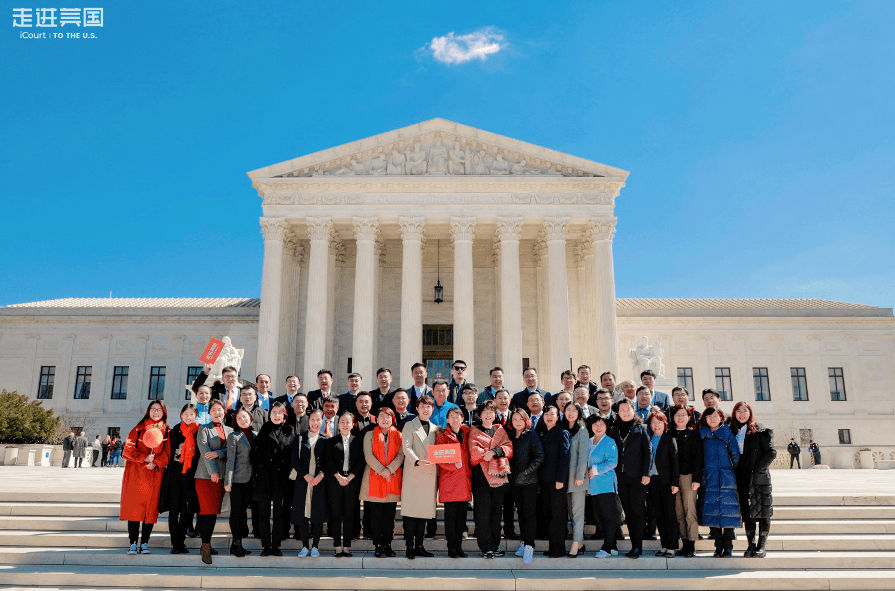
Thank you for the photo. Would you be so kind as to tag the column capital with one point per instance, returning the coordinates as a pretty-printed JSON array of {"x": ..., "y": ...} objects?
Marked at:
[
  {"x": 274, "y": 228},
  {"x": 366, "y": 228},
  {"x": 601, "y": 229},
  {"x": 320, "y": 228},
  {"x": 509, "y": 228},
  {"x": 462, "y": 229},
  {"x": 337, "y": 249},
  {"x": 412, "y": 228},
  {"x": 555, "y": 228}
]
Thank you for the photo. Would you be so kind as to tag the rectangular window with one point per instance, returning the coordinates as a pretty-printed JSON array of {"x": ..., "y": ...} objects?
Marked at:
[
  {"x": 762, "y": 384},
  {"x": 845, "y": 436},
  {"x": 837, "y": 384},
  {"x": 47, "y": 375},
  {"x": 114, "y": 431},
  {"x": 157, "y": 383},
  {"x": 191, "y": 374},
  {"x": 119, "y": 382},
  {"x": 82, "y": 383},
  {"x": 799, "y": 383},
  {"x": 723, "y": 384},
  {"x": 526, "y": 363},
  {"x": 685, "y": 380}
]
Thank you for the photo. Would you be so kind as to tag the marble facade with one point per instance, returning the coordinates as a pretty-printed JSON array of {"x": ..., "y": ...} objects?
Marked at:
[{"x": 352, "y": 239}]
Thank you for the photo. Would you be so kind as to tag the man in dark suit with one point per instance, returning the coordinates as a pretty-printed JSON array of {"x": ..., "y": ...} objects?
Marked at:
[
  {"x": 227, "y": 389},
  {"x": 530, "y": 378},
  {"x": 584, "y": 380},
  {"x": 535, "y": 408},
  {"x": 382, "y": 396},
  {"x": 582, "y": 396},
  {"x": 458, "y": 380},
  {"x": 420, "y": 387},
  {"x": 248, "y": 398},
  {"x": 347, "y": 400},
  {"x": 402, "y": 409},
  {"x": 363, "y": 420},
  {"x": 293, "y": 385},
  {"x": 325, "y": 387}
]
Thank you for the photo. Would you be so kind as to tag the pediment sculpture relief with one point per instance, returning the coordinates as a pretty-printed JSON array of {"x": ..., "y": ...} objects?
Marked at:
[{"x": 436, "y": 155}]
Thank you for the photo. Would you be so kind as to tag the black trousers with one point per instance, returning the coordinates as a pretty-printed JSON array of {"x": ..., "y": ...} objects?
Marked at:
[
  {"x": 133, "y": 532},
  {"x": 556, "y": 499},
  {"x": 382, "y": 522},
  {"x": 307, "y": 530},
  {"x": 795, "y": 458},
  {"x": 723, "y": 537},
  {"x": 80, "y": 459},
  {"x": 178, "y": 523},
  {"x": 662, "y": 504},
  {"x": 454, "y": 523},
  {"x": 271, "y": 537},
  {"x": 525, "y": 498},
  {"x": 632, "y": 494},
  {"x": 488, "y": 505},
  {"x": 604, "y": 507},
  {"x": 509, "y": 507},
  {"x": 104, "y": 458},
  {"x": 343, "y": 505},
  {"x": 95, "y": 457},
  {"x": 206, "y": 524},
  {"x": 542, "y": 515},
  {"x": 414, "y": 531},
  {"x": 240, "y": 498}
]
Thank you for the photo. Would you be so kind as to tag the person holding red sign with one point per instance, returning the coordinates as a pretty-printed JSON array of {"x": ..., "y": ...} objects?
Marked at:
[
  {"x": 146, "y": 451},
  {"x": 454, "y": 482},
  {"x": 381, "y": 486},
  {"x": 490, "y": 450}
]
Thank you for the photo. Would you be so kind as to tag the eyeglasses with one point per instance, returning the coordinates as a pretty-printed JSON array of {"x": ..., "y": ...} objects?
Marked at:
[
  {"x": 603, "y": 398},
  {"x": 459, "y": 368}
]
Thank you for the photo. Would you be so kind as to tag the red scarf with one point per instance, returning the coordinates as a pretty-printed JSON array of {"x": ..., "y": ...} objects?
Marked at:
[
  {"x": 380, "y": 488},
  {"x": 189, "y": 444},
  {"x": 219, "y": 427}
]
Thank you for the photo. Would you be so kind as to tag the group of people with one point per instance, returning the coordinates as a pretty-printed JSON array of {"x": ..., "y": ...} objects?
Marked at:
[
  {"x": 97, "y": 453},
  {"x": 587, "y": 454}
]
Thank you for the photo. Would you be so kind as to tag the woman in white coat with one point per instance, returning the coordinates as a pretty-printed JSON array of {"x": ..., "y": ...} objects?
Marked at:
[{"x": 420, "y": 485}]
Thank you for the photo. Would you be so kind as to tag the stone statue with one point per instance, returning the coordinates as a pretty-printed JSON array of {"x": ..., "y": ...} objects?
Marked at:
[
  {"x": 438, "y": 158},
  {"x": 646, "y": 357},
  {"x": 343, "y": 171},
  {"x": 230, "y": 356},
  {"x": 500, "y": 166},
  {"x": 459, "y": 161},
  {"x": 518, "y": 168},
  {"x": 478, "y": 163},
  {"x": 357, "y": 167},
  {"x": 416, "y": 160},
  {"x": 396, "y": 163},
  {"x": 378, "y": 165}
]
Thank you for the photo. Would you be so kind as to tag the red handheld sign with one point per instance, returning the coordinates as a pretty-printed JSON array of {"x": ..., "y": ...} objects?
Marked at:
[
  {"x": 212, "y": 351},
  {"x": 444, "y": 454}
]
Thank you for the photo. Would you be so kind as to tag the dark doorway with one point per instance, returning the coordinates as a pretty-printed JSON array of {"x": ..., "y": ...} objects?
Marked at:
[{"x": 438, "y": 350}]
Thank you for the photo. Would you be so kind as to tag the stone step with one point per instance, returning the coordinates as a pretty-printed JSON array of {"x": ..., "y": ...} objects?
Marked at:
[
  {"x": 832, "y": 512},
  {"x": 366, "y": 560},
  {"x": 94, "y": 539},
  {"x": 493, "y": 579},
  {"x": 833, "y": 499}
]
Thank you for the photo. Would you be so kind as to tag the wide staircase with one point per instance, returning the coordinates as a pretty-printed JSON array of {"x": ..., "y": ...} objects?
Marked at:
[{"x": 62, "y": 539}]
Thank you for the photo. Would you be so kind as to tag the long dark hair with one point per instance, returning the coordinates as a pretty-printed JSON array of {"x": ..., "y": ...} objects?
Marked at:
[
  {"x": 709, "y": 412},
  {"x": 735, "y": 425},
  {"x": 578, "y": 424},
  {"x": 164, "y": 411},
  {"x": 686, "y": 409}
]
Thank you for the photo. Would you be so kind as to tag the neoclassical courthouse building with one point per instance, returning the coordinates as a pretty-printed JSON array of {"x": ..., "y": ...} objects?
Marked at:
[{"x": 356, "y": 238}]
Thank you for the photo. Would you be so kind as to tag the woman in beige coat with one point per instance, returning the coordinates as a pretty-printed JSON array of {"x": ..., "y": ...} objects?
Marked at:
[
  {"x": 380, "y": 489},
  {"x": 420, "y": 486}
]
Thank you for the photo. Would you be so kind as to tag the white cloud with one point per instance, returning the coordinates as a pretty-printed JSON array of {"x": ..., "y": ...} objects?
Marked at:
[{"x": 453, "y": 49}]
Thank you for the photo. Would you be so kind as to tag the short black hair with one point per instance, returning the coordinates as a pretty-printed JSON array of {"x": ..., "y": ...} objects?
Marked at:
[
  {"x": 416, "y": 365},
  {"x": 469, "y": 386},
  {"x": 439, "y": 382},
  {"x": 647, "y": 372},
  {"x": 355, "y": 375},
  {"x": 493, "y": 369},
  {"x": 323, "y": 371},
  {"x": 382, "y": 369}
]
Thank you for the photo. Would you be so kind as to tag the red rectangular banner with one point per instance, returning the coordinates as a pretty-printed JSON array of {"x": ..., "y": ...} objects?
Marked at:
[
  {"x": 212, "y": 351},
  {"x": 444, "y": 454}
]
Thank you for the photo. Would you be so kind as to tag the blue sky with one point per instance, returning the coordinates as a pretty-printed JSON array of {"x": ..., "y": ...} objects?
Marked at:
[{"x": 759, "y": 135}]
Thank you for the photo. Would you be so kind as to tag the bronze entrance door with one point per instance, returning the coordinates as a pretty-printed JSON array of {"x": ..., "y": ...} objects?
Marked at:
[{"x": 438, "y": 351}]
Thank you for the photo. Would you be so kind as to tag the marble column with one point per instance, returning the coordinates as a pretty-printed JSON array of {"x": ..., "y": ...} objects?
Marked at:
[
  {"x": 320, "y": 232},
  {"x": 290, "y": 367},
  {"x": 509, "y": 231},
  {"x": 271, "y": 292},
  {"x": 412, "y": 230},
  {"x": 557, "y": 298},
  {"x": 601, "y": 274},
  {"x": 462, "y": 232},
  {"x": 366, "y": 231}
]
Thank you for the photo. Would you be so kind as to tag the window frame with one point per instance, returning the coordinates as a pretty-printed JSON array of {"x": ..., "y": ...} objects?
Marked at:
[
  {"x": 719, "y": 387},
  {"x": 83, "y": 379},
  {"x": 46, "y": 382},
  {"x": 120, "y": 382},
  {"x": 157, "y": 375},
  {"x": 797, "y": 382},
  {"x": 762, "y": 380},
  {"x": 689, "y": 386},
  {"x": 837, "y": 374}
]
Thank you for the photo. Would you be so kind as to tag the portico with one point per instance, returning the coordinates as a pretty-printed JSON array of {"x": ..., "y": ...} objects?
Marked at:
[{"x": 525, "y": 235}]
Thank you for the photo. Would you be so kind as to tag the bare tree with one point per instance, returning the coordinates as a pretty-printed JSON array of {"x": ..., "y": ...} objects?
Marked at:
[{"x": 77, "y": 422}]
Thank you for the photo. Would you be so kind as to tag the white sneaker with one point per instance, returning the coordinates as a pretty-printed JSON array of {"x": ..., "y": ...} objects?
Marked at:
[
  {"x": 132, "y": 549},
  {"x": 315, "y": 553},
  {"x": 528, "y": 555},
  {"x": 521, "y": 550},
  {"x": 614, "y": 552},
  {"x": 144, "y": 549},
  {"x": 304, "y": 552},
  {"x": 602, "y": 554}
]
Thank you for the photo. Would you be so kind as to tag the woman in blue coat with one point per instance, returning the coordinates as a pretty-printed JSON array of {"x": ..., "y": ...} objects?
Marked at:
[
  {"x": 309, "y": 505},
  {"x": 719, "y": 509},
  {"x": 603, "y": 486}
]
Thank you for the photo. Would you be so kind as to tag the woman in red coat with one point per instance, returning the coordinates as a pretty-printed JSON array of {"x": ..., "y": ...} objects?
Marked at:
[
  {"x": 142, "y": 482},
  {"x": 455, "y": 482}
]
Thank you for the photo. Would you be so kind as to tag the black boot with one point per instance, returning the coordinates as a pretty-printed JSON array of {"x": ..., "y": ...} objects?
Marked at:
[
  {"x": 242, "y": 548},
  {"x": 750, "y": 537},
  {"x": 236, "y": 548},
  {"x": 761, "y": 549}
]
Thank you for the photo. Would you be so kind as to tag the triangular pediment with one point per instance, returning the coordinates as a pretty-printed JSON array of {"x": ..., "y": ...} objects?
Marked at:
[{"x": 438, "y": 148}]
